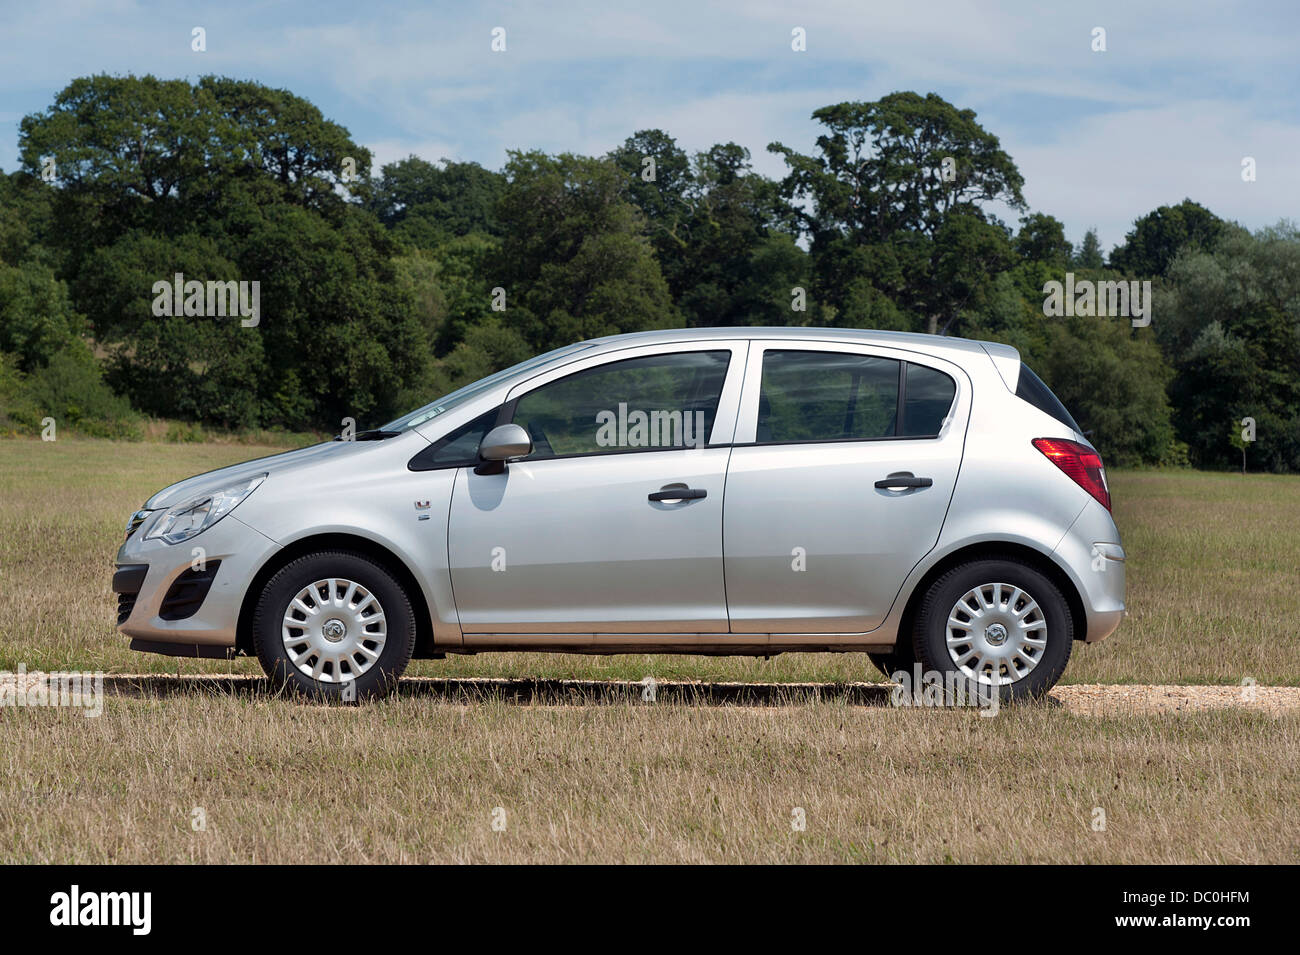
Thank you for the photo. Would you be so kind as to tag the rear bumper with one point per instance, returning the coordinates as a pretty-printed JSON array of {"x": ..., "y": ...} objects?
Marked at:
[
  {"x": 1101, "y": 624},
  {"x": 1092, "y": 553}
]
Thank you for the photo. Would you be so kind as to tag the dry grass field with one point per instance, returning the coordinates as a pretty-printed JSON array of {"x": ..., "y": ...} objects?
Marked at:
[
  {"x": 605, "y": 777},
  {"x": 418, "y": 779}
]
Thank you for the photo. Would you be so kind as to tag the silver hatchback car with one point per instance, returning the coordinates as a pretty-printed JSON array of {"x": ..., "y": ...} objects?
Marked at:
[{"x": 925, "y": 500}]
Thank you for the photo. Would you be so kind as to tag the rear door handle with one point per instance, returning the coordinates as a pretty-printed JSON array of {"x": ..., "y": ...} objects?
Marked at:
[
  {"x": 679, "y": 494},
  {"x": 902, "y": 479}
]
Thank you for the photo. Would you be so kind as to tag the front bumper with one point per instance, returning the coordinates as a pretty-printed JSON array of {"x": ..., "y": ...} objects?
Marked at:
[{"x": 177, "y": 596}]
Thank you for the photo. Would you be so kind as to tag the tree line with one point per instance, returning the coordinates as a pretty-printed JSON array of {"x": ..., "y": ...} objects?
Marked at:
[{"x": 380, "y": 290}]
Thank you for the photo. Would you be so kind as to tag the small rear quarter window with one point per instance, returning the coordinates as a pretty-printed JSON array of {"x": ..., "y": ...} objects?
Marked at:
[{"x": 928, "y": 399}]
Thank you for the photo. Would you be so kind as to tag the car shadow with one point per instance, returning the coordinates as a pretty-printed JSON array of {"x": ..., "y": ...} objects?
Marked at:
[
  {"x": 528, "y": 691},
  {"x": 531, "y": 691}
]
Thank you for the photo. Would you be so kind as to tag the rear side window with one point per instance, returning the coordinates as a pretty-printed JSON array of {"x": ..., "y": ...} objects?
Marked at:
[
  {"x": 1031, "y": 388},
  {"x": 927, "y": 398},
  {"x": 826, "y": 396}
]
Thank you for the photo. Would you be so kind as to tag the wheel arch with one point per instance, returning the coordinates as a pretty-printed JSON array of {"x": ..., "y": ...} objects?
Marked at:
[
  {"x": 991, "y": 550},
  {"x": 377, "y": 552}
]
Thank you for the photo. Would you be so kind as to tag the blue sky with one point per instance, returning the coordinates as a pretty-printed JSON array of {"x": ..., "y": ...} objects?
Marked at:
[{"x": 1182, "y": 94}]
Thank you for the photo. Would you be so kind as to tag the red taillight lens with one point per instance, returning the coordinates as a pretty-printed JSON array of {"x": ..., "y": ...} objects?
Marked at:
[{"x": 1080, "y": 462}]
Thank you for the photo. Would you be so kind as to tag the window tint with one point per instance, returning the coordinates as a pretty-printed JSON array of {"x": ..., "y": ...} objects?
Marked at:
[
  {"x": 1031, "y": 388},
  {"x": 655, "y": 402},
  {"x": 459, "y": 449},
  {"x": 826, "y": 396},
  {"x": 927, "y": 397}
]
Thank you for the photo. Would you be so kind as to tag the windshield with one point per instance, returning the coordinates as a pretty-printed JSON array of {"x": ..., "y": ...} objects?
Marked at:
[{"x": 473, "y": 390}]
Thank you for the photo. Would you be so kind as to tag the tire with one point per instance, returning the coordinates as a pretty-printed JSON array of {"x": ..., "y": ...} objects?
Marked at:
[
  {"x": 357, "y": 629},
  {"x": 1031, "y": 615}
]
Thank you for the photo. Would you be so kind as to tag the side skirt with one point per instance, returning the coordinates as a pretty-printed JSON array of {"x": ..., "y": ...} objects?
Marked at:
[{"x": 709, "y": 644}]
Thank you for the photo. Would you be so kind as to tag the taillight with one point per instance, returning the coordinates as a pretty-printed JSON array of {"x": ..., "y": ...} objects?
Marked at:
[{"x": 1080, "y": 462}]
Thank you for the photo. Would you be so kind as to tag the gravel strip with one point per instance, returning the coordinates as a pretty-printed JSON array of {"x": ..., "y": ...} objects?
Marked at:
[{"x": 1099, "y": 699}]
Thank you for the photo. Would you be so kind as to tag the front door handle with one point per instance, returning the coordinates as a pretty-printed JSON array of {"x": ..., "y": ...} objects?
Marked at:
[
  {"x": 902, "y": 479},
  {"x": 680, "y": 493}
]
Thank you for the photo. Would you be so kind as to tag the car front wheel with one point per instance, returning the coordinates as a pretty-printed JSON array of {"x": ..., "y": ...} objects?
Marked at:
[
  {"x": 999, "y": 623},
  {"x": 335, "y": 625}
]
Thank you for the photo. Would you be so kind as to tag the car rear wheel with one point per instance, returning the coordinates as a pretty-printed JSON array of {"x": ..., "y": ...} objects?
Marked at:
[
  {"x": 999, "y": 623},
  {"x": 335, "y": 625}
]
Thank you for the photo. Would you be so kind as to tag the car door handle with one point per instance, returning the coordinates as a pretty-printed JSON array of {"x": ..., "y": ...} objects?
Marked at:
[
  {"x": 678, "y": 494},
  {"x": 902, "y": 479}
]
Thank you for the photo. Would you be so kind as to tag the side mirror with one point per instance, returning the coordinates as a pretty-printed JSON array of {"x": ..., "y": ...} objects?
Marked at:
[{"x": 502, "y": 443}]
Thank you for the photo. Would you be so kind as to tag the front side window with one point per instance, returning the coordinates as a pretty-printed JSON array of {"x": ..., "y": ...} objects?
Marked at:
[
  {"x": 651, "y": 403},
  {"x": 826, "y": 396}
]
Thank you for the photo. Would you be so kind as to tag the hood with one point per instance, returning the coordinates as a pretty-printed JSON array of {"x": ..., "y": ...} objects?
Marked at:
[{"x": 271, "y": 465}]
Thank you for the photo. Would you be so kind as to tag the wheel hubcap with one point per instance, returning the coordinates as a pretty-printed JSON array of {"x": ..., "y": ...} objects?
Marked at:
[
  {"x": 334, "y": 630},
  {"x": 996, "y": 634}
]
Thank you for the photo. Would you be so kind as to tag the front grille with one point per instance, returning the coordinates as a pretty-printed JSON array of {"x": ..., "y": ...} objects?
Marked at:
[
  {"x": 127, "y": 581},
  {"x": 125, "y": 604},
  {"x": 188, "y": 591}
]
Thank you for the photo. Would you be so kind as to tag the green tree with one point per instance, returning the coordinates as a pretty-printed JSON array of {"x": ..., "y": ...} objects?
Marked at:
[
  {"x": 907, "y": 178},
  {"x": 37, "y": 319},
  {"x": 1237, "y": 439},
  {"x": 341, "y": 337},
  {"x": 226, "y": 180},
  {"x": 1114, "y": 384},
  {"x": 1230, "y": 322},
  {"x": 143, "y": 153},
  {"x": 435, "y": 202},
  {"x": 26, "y": 212},
  {"x": 1157, "y": 238},
  {"x": 47, "y": 368},
  {"x": 575, "y": 262},
  {"x": 1042, "y": 239},
  {"x": 205, "y": 369},
  {"x": 1113, "y": 378},
  {"x": 661, "y": 184},
  {"x": 729, "y": 258},
  {"x": 1089, "y": 255}
]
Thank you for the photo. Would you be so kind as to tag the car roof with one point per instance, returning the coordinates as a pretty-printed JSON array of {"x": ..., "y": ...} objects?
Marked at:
[{"x": 932, "y": 344}]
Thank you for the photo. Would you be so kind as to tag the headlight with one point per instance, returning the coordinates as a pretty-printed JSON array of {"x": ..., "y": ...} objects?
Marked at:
[
  {"x": 134, "y": 522},
  {"x": 196, "y": 515}
]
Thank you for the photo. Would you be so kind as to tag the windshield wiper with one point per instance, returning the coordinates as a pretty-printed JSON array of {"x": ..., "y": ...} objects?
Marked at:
[{"x": 369, "y": 435}]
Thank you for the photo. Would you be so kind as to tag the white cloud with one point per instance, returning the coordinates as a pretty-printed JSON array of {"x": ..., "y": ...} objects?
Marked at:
[
  {"x": 386, "y": 151},
  {"x": 1110, "y": 169},
  {"x": 1181, "y": 95}
]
